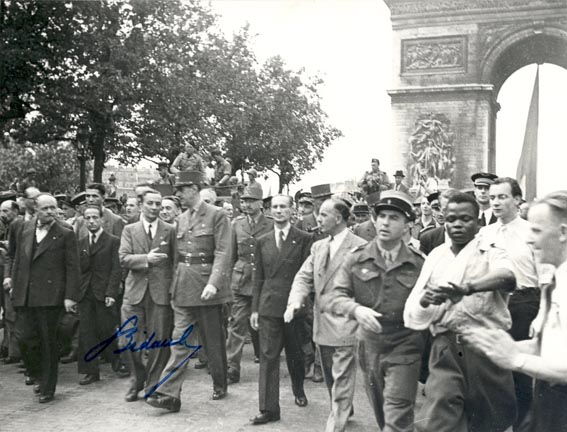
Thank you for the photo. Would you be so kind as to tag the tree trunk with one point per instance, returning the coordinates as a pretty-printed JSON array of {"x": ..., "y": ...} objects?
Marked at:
[
  {"x": 98, "y": 154},
  {"x": 82, "y": 173}
]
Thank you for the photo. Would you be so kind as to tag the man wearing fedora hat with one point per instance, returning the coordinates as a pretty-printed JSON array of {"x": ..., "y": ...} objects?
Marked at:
[
  {"x": 372, "y": 286},
  {"x": 398, "y": 185},
  {"x": 199, "y": 291},
  {"x": 245, "y": 230}
]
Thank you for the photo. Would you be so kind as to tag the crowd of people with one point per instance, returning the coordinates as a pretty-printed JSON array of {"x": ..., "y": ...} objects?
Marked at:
[{"x": 464, "y": 291}]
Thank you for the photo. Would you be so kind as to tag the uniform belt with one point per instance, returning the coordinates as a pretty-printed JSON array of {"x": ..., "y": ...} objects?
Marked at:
[
  {"x": 196, "y": 259},
  {"x": 526, "y": 290}
]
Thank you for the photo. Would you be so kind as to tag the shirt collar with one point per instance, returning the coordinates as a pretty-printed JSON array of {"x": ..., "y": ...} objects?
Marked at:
[
  {"x": 44, "y": 226},
  {"x": 394, "y": 252},
  {"x": 147, "y": 223},
  {"x": 339, "y": 238},
  {"x": 96, "y": 234},
  {"x": 284, "y": 229}
]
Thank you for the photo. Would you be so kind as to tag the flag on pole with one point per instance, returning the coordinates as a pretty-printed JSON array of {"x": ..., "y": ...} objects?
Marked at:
[{"x": 526, "y": 174}]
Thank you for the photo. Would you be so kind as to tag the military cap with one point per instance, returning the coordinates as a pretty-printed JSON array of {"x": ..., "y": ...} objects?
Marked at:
[
  {"x": 163, "y": 189},
  {"x": 373, "y": 199},
  {"x": 111, "y": 200},
  {"x": 62, "y": 199},
  {"x": 399, "y": 173},
  {"x": 79, "y": 199},
  {"x": 305, "y": 198},
  {"x": 432, "y": 197},
  {"x": 188, "y": 178},
  {"x": 396, "y": 200},
  {"x": 360, "y": 209},
  {"x": 376, "y": 160},
  {"x": 251, "y": 193},
  {"x": 7, "y": 195},
  {"x": 483, "y": 178},
  {"x": 321, "y": 191}
]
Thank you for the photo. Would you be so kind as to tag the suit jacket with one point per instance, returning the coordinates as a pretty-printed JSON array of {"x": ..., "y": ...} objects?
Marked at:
[
  {"x": 316, "y": 276},
  {"x": 100, "y": 266},
  {"x": 403, "y": 188},
  {"x": 429, "y": 240},
  {"x": 275, "y": 270},
  {"x": 243, "y": 248},
  {"x": 133, "y": 253},
  {"x": 50, "y": 273},
  {"x": 204, "y": 236},
  {"x": 365, "y": 230},
  {"x": 111, "y": 223}
]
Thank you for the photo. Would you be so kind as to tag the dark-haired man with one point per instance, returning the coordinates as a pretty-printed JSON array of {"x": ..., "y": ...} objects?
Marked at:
[
  {"x": 371, "y": 287},
  {"x": 482, "y": 182},
  {"x": 334, "y": 336},
  {"x": 463, "y": 284},
  {"x": 279, "y": 255},
  {"x": 100, "y": 283},
  {"x": 170, "y": 208},
  {"x": 111, "y": 223},
  {"x": 147, "y": 249}
]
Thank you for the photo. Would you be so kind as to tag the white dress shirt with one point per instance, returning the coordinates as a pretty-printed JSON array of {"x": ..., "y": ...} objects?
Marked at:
[
  {"x": 41, "y": 232},
  {"x": 147, "y": 224},
  {"x": 285, "y": 231},
  {"x": 96, "y": 236},
  {"x": 336, "y": 241}
]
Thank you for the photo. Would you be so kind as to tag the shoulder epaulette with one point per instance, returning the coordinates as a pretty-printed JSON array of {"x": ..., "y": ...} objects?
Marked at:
[
  {"x": 417, "y": 251},
  {"x": 359, "y": 247}
]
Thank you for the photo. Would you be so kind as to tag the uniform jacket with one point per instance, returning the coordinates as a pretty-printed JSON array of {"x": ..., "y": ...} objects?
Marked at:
[
  {"x": 133, "y": 252},
  {"x": 275, "y": 270},
  {"x": 100, "y": 266},
  {"x": 365, "y": 230},
  {"x": 111, "y": 223},
  {"x": 317, "y": 276},
  {"x": 363, "y": 279},
  {"x": 307, "y": 223},
  {"x": 243, "y": 248},
  {"x": 429, "y": 240},
  {"x": 50, "y": 274},
  {"x": 206, "y": 235}
]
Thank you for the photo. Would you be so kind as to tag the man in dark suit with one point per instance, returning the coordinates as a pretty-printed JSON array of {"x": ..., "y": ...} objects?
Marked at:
[
  {"x": 398, "y": 185},
  {"x": 147, "y": 250},
  {"x": 245, "y": 230},
  {"x": 100, "y": 282},
  {"x": 111, "y": 223},
  {"x": 46, "y": 279},
  {"x": 279, "y": 255},
  {"x": 482, "y": 182},
  {"x": 198, "y": 293}
]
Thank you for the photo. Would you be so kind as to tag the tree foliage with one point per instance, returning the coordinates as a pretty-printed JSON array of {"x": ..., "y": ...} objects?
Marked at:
[{"x": 138, "y": 79}]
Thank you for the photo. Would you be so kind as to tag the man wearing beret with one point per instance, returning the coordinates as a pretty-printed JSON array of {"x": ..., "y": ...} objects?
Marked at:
[
  {"x": 246, "y": 229},
  {"x": 199, "y": 290},
  {"x": 372, "y": 286},
  {"x": 482, "y": 182}
]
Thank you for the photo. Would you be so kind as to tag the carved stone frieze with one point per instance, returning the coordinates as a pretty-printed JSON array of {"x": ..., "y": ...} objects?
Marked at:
[
  {"x": 431, "y": 54},
  {"x": 428, "y": 6}
]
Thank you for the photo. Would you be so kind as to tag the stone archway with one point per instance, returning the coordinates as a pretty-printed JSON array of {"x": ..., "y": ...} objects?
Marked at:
[{"x": 451, "y": 59}]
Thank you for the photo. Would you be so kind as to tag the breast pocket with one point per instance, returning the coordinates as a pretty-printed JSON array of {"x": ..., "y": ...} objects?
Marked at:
[
  {"x": 204, "y": 239},
  {"x": 366, "y": 285}
]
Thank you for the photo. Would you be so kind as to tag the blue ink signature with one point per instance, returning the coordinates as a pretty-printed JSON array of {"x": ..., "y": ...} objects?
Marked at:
[{"x": 148, "y": 344}]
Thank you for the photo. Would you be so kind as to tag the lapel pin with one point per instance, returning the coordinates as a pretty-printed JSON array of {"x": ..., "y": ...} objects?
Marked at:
[{"x": 364, "y": 271}]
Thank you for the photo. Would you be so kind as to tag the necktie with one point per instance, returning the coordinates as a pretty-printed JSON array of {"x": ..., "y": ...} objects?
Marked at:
[
  {"x": 150, "y": 232},
  {"x": 328, "y": 252},
  {"x": 482, "y": 219},
  {"x": 93, "y": 239},
  {"x": 281, "y": 240},
  {"x": 252, "y": 224},
  {"x": 387, "y": 255}
]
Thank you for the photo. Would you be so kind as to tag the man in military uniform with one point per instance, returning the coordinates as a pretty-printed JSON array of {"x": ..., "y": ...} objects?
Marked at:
[
  {"x": 165, "y": 178},
  {"x": 374, "y": 180},
  {"x": 189, "y": 160},
  {"x": 372, "y": 287},
  {"x": 367, "y": 230},
  {"x": 223, "y": 169},
  {"x": 308, "y": 221},
  {"x": 482, "y": 182},
  {"x": 198, "y": 293},
  {"x": 361, "y": 213},
  {"x": 111, "y": 188},
  {"x": 245, "y": 230}
]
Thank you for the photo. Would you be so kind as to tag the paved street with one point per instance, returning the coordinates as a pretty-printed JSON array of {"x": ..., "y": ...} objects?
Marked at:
[{"x": 101, "y": 407}]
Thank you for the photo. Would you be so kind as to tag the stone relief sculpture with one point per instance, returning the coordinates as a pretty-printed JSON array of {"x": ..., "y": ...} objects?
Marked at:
[{"x": 431, "y": 150}]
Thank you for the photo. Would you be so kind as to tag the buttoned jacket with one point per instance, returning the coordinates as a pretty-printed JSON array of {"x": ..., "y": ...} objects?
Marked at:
[{"x": 243, "y": 247}]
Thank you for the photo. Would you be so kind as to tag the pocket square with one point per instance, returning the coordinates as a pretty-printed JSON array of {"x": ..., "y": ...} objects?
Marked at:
[{"x": 163, "y": 243}]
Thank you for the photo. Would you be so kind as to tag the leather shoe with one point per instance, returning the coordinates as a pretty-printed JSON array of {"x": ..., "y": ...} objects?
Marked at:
[
  {"x": 219, "y": 394},
  {"x": 70, "y": 358},
  {"x": 30, "y": 381},
  {"x": 122, "y": 371},
  {"x": 89, "y": 379},
  {"x": 44, "y": 398},
  {"x": 317, "y": 375},
  {"x": 200, "y": 365},
  {"x": 301, "y": 401},
  {"x": 233, "y": 376},
  {"x": 132, "y": 395},
  {"x": 11, "y": 360},
  {"x": 164, "y": 402},
  {"x": 264, "y": 417},
  {"x": 36, "y": 389}
]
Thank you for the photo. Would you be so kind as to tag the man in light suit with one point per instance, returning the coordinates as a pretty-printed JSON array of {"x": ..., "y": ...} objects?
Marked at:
[
  {"x": 245, "y": 230},
  {"x": 147, "y": 250},
  {"x": 279, "y": 255},
  {"x": 111, "y": 223},
  {"x": 45, "y": 276},
  {"x": 198, "y": 293},
  {"x": 334, "y": 335},
  {"x": 100, "y": 282}
]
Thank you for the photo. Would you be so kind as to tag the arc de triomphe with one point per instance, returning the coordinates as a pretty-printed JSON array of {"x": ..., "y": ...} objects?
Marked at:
[{"x": 451, "y": 58}]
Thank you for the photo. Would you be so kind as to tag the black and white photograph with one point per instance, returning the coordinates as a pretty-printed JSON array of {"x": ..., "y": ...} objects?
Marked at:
[{"x": 283, "y": 215}]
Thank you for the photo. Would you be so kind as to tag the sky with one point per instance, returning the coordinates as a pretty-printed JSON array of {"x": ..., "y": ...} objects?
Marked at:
[{"x": 348, "y": 43}]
